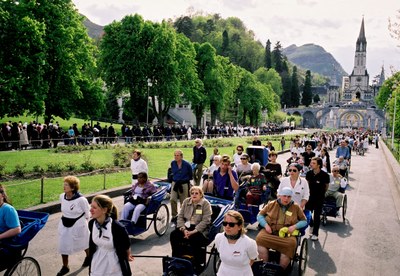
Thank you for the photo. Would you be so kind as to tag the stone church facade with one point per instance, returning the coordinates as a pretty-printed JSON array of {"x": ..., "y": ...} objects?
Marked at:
[{"x": 352, "y": 105}]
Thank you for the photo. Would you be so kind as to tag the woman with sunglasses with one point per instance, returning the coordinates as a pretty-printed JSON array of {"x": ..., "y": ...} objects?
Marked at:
[
  {"x": 236, "y": 250},
  {"x": 192, "y": 227},
  {"x": 238, "y": 154},
  {"x": 243, "y": 170},
  {"x": 301, "y": 190},
  {"x": 276, "y": 215}
]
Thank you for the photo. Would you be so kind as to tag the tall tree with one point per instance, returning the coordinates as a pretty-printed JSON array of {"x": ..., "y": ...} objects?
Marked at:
[
  {"x": 307, "y": 93},
  {"x": 61, "y": 58},
  {"x": 270, "y": 77},
  {"x": 184, "y": 25},
  {"x": 295, "y": 91},
  {"x": 268, "y": 56},
  {"x": 225, "y": 44},
  {"x": 277, "y": 58}
]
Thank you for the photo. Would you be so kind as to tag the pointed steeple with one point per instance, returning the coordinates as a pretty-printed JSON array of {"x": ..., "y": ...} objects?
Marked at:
[
  {"x": 382, "y": 77},
  {"x": 361, "y": 45}
]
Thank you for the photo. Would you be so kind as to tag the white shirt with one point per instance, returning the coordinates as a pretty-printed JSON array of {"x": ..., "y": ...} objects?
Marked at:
[
  {"x": 235, "y": 258},
  {"x": 139, "y": 166},
  {"x": 301, "y": 189}
]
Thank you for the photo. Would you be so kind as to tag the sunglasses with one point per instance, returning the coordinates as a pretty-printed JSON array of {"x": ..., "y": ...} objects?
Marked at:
[
  {"x": 292, "y": 170},
  {"x": 244, "y": 158},
  {"x": 335, "y": 171},
  {"x": 195, "y": 193},
  {"x": 231, "y": 224}
]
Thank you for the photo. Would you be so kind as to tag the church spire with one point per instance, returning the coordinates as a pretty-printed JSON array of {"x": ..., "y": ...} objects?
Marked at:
[{"x": 361, "y": 41}]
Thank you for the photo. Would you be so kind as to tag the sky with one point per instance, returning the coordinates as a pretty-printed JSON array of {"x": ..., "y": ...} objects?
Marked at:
[{"x": 332, "y": 24}]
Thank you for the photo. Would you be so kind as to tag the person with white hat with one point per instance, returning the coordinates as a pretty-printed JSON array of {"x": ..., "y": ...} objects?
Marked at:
[{"x": 276, "y": 216}]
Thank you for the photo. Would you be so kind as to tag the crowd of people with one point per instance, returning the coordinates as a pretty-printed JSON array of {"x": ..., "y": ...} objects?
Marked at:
[
  {"x": 292, "y": 201},
  {"x": 33, "y": 135}
]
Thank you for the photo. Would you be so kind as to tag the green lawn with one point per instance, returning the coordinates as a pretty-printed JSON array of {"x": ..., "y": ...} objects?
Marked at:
[{"x": 25, "y": 193}]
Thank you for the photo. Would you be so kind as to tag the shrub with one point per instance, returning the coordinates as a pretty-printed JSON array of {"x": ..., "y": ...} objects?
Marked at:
[
  {"x": 19, "y": 170},
  {"x": 38, "y": 170},
  {"x": 55, "y": 167},
  {"x": 87, "y": 164},
  {"x": 70, "y": 166},
  {"x": 121, "y": 156}
]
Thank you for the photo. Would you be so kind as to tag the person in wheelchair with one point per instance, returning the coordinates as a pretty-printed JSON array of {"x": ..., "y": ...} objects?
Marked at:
[
  {"x": 141, "y": 191},
  {"x": 342, "y": 163},
  {"x": 208, "y": 183},
  {"x": 279, "y": 219},
  {"x": 243, "y": 169},
  {"x": 9, "y": 227},
  {"x": 190, "y": 237},
  {"x": 337, "y": 185},
  {"x": 225, "y": 179},
  {"x": 253, "y": 190}
]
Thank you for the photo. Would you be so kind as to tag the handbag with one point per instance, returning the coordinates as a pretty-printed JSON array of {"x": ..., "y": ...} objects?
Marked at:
[
  {"x": 137, "y": 200},
  {"x": 69, "y": 222}
]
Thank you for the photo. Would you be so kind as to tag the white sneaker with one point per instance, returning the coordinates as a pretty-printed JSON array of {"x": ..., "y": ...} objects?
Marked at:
[
  {"x": 310, "y": 231},
  {"x": 314, "y": 238}
]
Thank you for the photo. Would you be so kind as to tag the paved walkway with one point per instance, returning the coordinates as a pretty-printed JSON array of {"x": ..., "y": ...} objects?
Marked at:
[{"x": 366, "y": 244}]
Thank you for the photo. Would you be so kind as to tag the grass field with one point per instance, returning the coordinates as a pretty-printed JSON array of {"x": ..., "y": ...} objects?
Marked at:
[{"x": 26, "y": 193}]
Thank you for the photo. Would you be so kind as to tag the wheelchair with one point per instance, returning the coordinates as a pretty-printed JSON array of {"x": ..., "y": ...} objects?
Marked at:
[
  {"x": 156, "y": 212},
  {"x": 183, "y": 265},
  {"x": 272, "y": 267},
  {"x": 14, "y": 249},
  {"x": 329, "y": 208}
]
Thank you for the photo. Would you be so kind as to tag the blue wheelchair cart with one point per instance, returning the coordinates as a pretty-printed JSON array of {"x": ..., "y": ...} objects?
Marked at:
[
  {"x": 156, "y": 212},
  {"x": 31, "y": 223}
]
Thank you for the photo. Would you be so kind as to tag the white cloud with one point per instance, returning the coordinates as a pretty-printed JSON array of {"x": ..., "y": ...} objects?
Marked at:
[{"x": 334, "y": 25}]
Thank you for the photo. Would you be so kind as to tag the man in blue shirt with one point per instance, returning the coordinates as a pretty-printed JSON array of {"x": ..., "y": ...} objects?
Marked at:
[
  {"x": 225, "y": 179},
  {"x": 343, "y": 150},
  {"x": 181, "y": 175}
]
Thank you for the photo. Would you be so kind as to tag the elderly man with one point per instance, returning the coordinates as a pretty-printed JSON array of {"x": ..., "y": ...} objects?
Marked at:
[
  {"x": 199, "y": 157},
  {"x": 336, "y": 185}
]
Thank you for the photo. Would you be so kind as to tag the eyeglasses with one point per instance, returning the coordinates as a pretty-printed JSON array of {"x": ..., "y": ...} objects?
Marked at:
[
  {"x": 290, "y": 170},
  {"x": 194, "y": 193},
  {"x": 231, "y": 224},
  {"x": 244, "y": 158}
]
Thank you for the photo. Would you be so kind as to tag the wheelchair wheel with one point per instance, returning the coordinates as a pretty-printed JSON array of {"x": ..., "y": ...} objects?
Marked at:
[
  {"x": 161, "y": 220},
  {"x": 344, "y": 208},
  {"x": 216, "y": 262},
  {"x": 303, "y": 257},
  {"x": 25, "y": 266},
  {"x": 324, "y": 219}
]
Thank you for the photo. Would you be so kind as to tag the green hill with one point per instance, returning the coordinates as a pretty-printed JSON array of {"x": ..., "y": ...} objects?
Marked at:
[{"x": 315, "y": 58}]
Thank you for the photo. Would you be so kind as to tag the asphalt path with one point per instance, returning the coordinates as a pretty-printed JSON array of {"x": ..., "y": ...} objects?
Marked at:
[{"x": 367, "y": 243}]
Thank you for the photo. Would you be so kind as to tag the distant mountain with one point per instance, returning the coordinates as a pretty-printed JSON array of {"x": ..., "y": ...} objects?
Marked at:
[
  {"x": 94, "y": 31},
  {"x": 317, "y": 60}
]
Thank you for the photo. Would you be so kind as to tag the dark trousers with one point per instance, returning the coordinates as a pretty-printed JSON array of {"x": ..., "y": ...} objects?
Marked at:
[
  {"x": 316, "y": 219},
  {"x": 192, "y": 246}
]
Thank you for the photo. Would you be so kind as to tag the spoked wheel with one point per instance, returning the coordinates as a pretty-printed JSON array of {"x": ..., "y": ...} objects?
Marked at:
[
  {"x": 303, "y": 257},
  {"x": 324, "y": 219},
  {"x": 161, "y": 220},
  {"x": 344, "y": 208},
  {"x": 217, "y": 261},
  {"x": 25, "y": 266}
]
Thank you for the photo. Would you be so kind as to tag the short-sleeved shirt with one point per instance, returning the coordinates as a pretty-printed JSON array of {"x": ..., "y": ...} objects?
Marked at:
[
  {"x": 223, "y": 184},
  {"x": 8, "y": 218}
]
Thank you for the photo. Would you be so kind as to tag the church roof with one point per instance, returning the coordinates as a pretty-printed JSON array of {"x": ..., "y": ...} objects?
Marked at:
[{"x": 361, "y": 36}]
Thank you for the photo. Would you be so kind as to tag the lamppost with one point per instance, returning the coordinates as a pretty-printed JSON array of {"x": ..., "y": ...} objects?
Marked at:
[
  {"x": 237, "y": 117},
  {"x": 394, "y": 115},
  {"x": 149, "y": 84}
]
